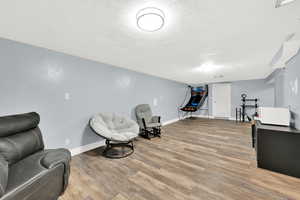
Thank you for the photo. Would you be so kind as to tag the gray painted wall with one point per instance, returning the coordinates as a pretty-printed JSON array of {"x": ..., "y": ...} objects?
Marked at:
[
  {"x": 280, "y": 91},
  {"x": 68, "y": 90},
  {"x": 254, "y": 89},
  {"x": 287, "y": 89}
]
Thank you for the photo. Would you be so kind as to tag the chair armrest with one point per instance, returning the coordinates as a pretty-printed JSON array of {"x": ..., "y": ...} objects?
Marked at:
[
  {"x": 57, "y": 157},
  {"x": 144, "y": 123},
  {"x": 155, "y": 119},
  {"x": 3, "y": 175}
]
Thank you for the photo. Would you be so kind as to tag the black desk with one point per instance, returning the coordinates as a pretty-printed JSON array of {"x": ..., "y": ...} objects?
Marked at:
[{"x": 277, "y": 148}]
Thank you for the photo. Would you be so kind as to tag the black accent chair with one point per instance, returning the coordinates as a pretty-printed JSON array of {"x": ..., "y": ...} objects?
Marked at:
[
  {"x": 27, "y": 171},
  {"x": 150, "y": 125}
]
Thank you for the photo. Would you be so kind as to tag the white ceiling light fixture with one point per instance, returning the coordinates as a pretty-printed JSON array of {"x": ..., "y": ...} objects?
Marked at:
[
  {"x": 150, "y": 19},
  {"x": 208, "y": 67},
  {"x": 279, "y": 3}
]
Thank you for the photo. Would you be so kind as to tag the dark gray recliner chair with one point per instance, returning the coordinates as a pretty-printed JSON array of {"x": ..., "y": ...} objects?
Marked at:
[
  {"x": 27, "y": 171},
  {"x": 150, "y": 125}
]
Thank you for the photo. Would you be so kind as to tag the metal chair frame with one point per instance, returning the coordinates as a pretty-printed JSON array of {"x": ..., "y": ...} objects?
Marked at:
[
  {"x": 150, "y": 132},
  {"x": 110, "y": 145}
]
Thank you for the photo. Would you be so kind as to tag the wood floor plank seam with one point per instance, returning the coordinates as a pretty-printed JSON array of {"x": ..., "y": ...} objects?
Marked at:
[{"x": 199, "y": 159}]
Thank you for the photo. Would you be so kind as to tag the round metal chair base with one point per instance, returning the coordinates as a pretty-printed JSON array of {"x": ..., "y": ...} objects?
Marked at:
[{"x": 116, "y": 150}]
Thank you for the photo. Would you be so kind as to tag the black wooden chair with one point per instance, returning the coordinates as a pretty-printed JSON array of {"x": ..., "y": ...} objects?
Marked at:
[{"x": 150, "y": 125}]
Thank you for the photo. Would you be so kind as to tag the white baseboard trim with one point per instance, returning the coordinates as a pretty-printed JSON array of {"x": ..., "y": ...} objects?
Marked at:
[
  {"x": 177, "y": 119},
  {"x": 88, "y": 147},
  {"x": 212, "y": 117},
  {"x": 173, "y": 121},
  {"x": 170, "y": 121},
  {"x": 85, "y": 148},
  {"x": 204, "y": 116}
]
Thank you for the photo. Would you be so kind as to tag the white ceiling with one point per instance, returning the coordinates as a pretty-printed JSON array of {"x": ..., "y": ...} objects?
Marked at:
[{"x": 235, "y": 38}]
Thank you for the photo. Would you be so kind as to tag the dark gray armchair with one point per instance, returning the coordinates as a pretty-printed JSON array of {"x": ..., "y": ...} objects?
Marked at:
[
  {"x": 150, "y": 125},
  {"x": 27, "y": 171}
]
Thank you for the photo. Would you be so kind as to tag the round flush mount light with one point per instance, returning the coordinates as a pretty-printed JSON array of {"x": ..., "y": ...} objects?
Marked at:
[{"x": 150, "y": 19}]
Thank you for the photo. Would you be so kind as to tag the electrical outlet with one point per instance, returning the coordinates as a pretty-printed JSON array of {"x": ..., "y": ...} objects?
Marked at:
[
  {"x": 67, "y": 141},
  {"x": 294, "y": 87},
  {"x": 67, "y": 96},
  {"x": 155, "y": 102}
]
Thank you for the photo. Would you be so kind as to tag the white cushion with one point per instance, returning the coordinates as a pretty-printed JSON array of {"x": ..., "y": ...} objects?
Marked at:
[{"x": 114, "y": 127}]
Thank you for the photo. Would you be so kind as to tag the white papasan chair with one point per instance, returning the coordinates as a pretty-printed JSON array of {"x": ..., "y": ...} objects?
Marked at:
[{"x": 119, "y": 132}]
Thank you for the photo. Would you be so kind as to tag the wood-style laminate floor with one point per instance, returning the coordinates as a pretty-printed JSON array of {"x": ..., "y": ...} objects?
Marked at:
[{"x": 195, "y": 159}]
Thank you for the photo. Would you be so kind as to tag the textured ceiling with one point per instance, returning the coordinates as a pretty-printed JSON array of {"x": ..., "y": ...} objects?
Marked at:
[{"x": 202, "y": 41}]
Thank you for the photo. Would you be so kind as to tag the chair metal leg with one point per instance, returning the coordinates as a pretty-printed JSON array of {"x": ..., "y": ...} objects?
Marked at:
[
  {"x": 148, "y": 134},
  {"x": 110, "y": 150}
]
